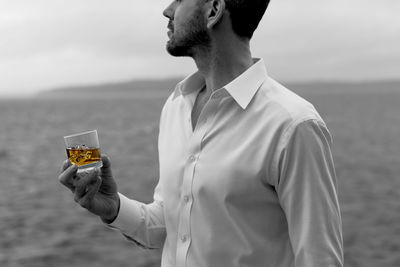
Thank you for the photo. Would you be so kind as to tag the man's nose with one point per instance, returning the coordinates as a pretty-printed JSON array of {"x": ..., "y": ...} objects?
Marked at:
[{"x": 168, "y": 12}]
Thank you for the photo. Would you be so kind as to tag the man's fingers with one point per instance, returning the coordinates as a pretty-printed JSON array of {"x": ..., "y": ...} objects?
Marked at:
[
  {"x": 106, "y": 161},
  {"x": 65, "y": 165},
  {"x": 106, "y": 168},
  {"x": 66, "y": 177},
  {"x": 81, "y": 185},
  {"x": 91, "y": 192}
]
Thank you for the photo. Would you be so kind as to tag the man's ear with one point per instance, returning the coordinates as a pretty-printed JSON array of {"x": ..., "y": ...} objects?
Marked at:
[{"x": 215, "y": 12}]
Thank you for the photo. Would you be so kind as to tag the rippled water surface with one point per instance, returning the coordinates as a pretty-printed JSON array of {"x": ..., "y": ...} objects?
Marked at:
[{"x": 42, "y": 226}]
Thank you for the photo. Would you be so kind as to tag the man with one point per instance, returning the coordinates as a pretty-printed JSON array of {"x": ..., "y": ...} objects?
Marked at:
[{"x": 246, "y": 172}]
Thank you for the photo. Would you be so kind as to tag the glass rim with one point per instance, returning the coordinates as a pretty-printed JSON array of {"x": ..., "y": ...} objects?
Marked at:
[{"x": 78, "y": 134}]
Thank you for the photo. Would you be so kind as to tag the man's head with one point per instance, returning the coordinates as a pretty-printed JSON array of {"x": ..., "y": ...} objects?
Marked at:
[
  {"x": 188, "y": 28},
  {"x": 193, "y": 21}
]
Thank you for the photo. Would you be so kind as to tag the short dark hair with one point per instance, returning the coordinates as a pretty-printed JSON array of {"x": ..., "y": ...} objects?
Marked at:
[{"x": 246, "y": 15}]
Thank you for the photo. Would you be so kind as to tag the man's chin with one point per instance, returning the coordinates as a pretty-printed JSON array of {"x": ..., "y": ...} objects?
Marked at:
[{"x": 177, "y": 51}]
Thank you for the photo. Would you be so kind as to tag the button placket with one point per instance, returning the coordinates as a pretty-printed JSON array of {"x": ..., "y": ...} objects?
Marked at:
[
  {"x": 194, "y": 151},
  {"x": 185, "y": 209}
]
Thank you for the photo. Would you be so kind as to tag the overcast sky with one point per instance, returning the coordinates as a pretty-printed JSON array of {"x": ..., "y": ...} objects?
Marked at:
[{"x": 53, "y": 43}]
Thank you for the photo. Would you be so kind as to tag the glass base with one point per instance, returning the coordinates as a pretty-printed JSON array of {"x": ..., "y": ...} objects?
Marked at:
[{"x": 88, "y": 167}]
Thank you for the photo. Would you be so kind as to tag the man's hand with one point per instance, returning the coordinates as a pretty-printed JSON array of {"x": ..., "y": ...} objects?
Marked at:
[{"x": 95, "y": 190}]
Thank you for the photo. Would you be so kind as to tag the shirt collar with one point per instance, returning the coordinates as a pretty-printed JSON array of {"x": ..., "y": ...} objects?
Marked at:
[
  {"x": 242, "y": 88},
  {"x": 190, "y": 84}
]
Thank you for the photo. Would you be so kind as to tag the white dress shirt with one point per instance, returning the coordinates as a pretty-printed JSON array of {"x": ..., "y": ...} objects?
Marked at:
[{"x": 252, "y": 185}]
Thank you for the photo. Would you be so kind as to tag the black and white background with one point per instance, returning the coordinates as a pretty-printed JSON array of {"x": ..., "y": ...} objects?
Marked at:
[{"x": 76, "y": 65}]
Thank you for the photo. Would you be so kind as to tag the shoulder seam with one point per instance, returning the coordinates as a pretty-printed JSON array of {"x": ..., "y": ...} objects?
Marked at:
[
  {"x": 276, "y": 102},
  {"x": 285, "y": 137}
]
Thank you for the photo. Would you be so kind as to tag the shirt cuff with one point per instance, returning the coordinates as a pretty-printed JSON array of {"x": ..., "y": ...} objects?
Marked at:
[{"x": 130, "y": 215}]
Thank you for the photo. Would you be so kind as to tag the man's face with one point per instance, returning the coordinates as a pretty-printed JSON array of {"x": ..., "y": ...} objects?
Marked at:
[{"x": 187, "y": 25}]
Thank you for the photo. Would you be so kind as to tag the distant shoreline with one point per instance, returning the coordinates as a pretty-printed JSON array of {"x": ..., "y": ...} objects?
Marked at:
[{"x": 163, "y": 87}]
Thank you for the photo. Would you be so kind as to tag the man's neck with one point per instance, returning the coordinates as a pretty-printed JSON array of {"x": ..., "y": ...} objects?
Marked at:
[{"x": 222, "y": 64}]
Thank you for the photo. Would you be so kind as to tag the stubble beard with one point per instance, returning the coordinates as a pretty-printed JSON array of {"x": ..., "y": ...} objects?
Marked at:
[{"x": 192, "y": 37}]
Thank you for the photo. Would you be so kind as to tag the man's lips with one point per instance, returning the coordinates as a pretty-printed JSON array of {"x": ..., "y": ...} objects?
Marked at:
[
  {"x": 171, "y": 29},
  {"x": 170, "y": 26}
]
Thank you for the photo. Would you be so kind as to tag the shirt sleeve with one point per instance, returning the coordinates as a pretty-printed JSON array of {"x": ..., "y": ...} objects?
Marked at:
[
  {"x": 141, "y": 223},
  {"x": 307, "y": 191}
]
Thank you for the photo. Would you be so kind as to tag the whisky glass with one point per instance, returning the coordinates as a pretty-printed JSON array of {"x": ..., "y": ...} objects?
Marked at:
[{"x": 83, "y": 150}]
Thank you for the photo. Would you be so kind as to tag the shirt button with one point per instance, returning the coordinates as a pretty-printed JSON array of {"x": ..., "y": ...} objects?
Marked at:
[
  {"x": 186, "y": 199},
  {"x": 184, "y": 238},
  {"x": 192, "y": 158}
]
